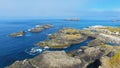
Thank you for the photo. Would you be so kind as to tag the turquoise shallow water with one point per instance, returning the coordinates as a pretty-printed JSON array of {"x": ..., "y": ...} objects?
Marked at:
[{"x": 12, "y": 49}]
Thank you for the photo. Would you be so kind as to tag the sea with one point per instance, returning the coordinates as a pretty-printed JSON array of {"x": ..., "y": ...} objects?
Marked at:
[{"x": 13, "y": 49}]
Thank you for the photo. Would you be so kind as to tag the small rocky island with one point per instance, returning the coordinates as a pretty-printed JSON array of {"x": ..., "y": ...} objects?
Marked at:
[
  {"x": 18, "y": 34},
  {"x": 40, "y": 28},
  {"x": 73, "y": 19},
  {"x": 102, "y": 52},
  {"x": 63, "y": 38}
]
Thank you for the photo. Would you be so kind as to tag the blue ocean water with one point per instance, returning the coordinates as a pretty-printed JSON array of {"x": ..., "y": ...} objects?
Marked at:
[{"x": 12, "y": 49}]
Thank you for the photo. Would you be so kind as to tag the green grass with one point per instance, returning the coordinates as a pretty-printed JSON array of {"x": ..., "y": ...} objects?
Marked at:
[{"x": 115, "y": 60}]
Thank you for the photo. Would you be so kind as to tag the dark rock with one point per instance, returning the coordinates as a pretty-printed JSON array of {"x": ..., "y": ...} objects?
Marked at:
[
  {"x": 111, "y": 54},
  {"x": 95, "y": 64}
]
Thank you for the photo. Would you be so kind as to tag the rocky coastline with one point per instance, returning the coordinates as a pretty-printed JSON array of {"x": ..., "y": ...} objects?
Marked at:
[{"x": 96, "y": 54}]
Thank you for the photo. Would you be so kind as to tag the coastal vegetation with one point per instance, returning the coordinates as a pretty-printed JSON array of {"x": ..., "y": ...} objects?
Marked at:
[{"x": 115, "y": 60}]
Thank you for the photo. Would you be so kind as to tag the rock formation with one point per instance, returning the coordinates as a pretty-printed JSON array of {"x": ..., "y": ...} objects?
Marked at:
[
  {"x": 18, "y": 34},
  {"x": 40, "y": 28},
  {"x": 64, "y": 38},
  {"x": 99, "y": 53},
  {"x": 49, "y": 59}
]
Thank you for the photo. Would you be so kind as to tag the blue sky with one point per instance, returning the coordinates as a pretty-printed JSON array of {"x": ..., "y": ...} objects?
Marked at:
[{"x": 85, "y": 9}]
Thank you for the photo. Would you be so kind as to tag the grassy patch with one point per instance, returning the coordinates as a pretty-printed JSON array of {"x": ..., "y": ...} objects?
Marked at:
[
  {"x": 71, "y": 31},
  {"x": 112, "y": 29},
  {"x": 76, "y": 36},
  {"x": 115, "y": 60}
]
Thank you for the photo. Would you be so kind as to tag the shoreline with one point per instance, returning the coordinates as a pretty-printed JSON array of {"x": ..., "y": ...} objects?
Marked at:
[{"x": 96, "y": 49}]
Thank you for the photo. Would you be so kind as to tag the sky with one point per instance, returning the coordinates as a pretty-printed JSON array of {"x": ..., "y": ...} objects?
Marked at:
[{"x": 50, "y": 9}]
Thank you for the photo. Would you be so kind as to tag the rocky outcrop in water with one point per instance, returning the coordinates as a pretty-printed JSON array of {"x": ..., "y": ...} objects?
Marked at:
[
  {"x": 64, "y": 38},
  {"x": 37, "y": 29},
  {"x": 18, "y": 34},
  {"x": 73, "y": 19},
  {"x": 40, "y": 28}
]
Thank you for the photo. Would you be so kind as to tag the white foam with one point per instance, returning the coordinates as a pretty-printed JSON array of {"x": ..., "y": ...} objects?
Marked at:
[
  {"x": 46, "y": 47},
  {"x": 33, "y": 51}
]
